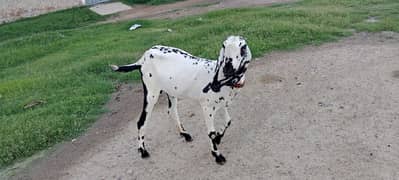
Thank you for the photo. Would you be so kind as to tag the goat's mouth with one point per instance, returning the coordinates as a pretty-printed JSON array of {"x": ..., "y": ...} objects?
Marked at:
[{"x": 239, "y": 85}]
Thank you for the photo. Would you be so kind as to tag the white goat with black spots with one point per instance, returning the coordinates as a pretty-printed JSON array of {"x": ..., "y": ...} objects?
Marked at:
[{"x": 181, "y": 75}]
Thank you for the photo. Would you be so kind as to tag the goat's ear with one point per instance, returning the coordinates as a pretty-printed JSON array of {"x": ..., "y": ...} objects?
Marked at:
[
  {"x": 243, "y": 51},
  {"x": 220, "y": 58}
]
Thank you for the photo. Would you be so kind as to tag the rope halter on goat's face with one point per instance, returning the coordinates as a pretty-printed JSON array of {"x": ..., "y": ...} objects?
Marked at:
[{"x": 232, "y": 64}]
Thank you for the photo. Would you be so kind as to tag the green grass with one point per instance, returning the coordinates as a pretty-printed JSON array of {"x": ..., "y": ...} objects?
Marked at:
[
  {"x": 60, "y": 20},
  {"x": 151, "y": 2},
  {"x": 63, "y": 60}
]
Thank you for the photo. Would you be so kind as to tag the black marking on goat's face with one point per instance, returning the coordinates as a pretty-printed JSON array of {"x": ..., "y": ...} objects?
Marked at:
[
  {"x": 150, "y": 74},
  {"x": 228, "y": 69},
  {"x": 151, "y": 56}
]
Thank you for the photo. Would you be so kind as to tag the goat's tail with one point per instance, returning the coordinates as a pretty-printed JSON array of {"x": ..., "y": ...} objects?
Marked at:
[
  {"x": 125, "y": 68},
  {"x": 129, "y": 67}
]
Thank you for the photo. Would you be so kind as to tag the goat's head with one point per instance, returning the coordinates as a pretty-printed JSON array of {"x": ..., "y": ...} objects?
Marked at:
[{"x": 233, "y": 61}]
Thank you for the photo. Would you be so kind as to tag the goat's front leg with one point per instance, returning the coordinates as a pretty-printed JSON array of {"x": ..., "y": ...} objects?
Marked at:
[
  {"x": 227, "y": 119},
  {"x": 209, "y": 114}
]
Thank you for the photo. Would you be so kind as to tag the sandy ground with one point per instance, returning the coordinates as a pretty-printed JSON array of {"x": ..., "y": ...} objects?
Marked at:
[
  {"x": 325, "y": 112},
  {"x": 188, "y": 7},
  {"x": 11, "y": 10}
]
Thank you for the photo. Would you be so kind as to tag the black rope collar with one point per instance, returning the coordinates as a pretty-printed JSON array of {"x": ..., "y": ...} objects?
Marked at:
[{"x": 216, "y": 85}]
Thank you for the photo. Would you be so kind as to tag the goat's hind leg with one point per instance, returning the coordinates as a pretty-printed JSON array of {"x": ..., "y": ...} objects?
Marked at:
[
  {"x": 150, "y": 98},
  {"x": 172, "y": 111}
]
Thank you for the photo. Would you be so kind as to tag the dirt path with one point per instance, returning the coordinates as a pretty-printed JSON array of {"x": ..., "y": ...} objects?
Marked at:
[
  {"x": 327, "y": 112},
  {"x": 188, "y": 7}
]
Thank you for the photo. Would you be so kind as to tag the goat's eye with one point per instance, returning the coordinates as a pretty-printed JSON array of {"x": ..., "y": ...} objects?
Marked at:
[{"x": 243, "y": 50}]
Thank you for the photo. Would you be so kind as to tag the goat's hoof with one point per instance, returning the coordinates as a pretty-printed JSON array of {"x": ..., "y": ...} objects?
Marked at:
[
  {"x": 219, "y": 158},
  {"x": 218, "y": 138},
  {"x": 186, "y": 136},
  {"x": 144, "y": 153}
]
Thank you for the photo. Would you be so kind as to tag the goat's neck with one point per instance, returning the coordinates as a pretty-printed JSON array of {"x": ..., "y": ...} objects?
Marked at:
[{"x": 215, "y": 84}]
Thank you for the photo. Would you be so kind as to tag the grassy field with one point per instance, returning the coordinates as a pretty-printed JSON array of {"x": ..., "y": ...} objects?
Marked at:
[{"x": 61, "y": 59}]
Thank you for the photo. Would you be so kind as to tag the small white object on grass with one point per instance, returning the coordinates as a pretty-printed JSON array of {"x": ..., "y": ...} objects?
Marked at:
[
  {"x": 134, "y": 27},
  {"x": 372, "y": 20},
  {"x": 169, "y": 30}
]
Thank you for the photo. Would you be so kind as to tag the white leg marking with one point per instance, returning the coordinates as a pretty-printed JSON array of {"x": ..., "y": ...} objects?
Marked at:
[{"x": 227, "y": 120}]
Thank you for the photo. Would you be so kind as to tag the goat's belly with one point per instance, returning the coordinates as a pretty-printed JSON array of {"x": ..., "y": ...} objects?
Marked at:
[{"x": 188, "y": 90}]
